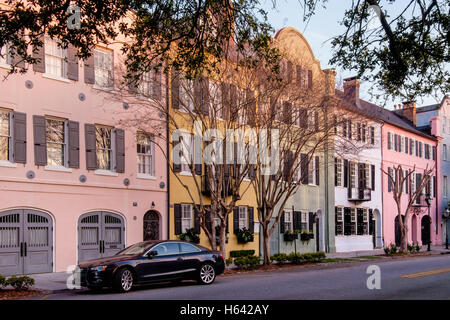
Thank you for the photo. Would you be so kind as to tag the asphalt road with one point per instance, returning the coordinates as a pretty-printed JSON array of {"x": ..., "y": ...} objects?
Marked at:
[{"x": 332, "y": 281}]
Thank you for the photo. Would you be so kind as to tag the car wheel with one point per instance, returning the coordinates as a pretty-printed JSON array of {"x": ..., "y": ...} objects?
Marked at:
[
  {"x": 123, "y": 281},
  {"x": 206, "y": 274}
]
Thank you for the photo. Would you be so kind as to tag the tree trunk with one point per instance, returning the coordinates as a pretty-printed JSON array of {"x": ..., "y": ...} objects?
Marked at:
[
  {"x": 266, "y": 243},
  {"x": 223, "y": 237}
]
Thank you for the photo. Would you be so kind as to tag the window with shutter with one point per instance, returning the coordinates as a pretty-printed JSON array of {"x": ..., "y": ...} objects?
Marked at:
[
  {"x": 187, "y": 218},
  {"x": 119, "y": 151},
  {"x": 5, "y": 136},
  {"x": 74, "y": 144},
  {"x": 90, "y": 143},
  {"x": 104, "y": 147},
  {"x": 288, "y": 220},
  {"x": 55, "y": 58},
  {"x": 56, "y": 140},
  {"x": 145, "y": 154},
  {"x": 338, "y": 173},
  {"x": 389, "y": 141},
  {"x": 39, "y": 133},
  {"x": 339, "y": 221},
  {"x": 103, "y": 68}
]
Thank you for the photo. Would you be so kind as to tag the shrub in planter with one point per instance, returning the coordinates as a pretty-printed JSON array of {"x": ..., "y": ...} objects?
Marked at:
[
  {"x": 241, "y": 253},
  {"x": 279, "y": 257},
  {"x": 3, "y": 282},
  {"x": 304, "y": 236},
  {"x": 229, "y": 261},
  {"x": 391, "y": 249},
  {"x": 190, "y": 236},
  {"x": 319, "y": 256},
  {"x": 417, "y": 247},
  {"x": 20, "y": 283},
  {"x": 247, "y": 262},
  {"x": 290, "y": 235},
  {"x": 244, "y": 236}
]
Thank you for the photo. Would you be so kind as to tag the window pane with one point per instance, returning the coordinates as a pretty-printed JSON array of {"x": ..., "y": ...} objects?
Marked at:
[
  {"x": 103, "y": 68},
  {"x": 167, "y": 249},
  {"x": 187, "y": 248},
  {"x": 4, "y": 135},
  {"x": 103, "y": 144},
  {"x": 55, "y": 136}
]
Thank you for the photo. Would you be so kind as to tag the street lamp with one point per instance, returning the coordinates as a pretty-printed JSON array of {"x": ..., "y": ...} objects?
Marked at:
[
  {"x": 428, "y": 201},
  {"x": 446, "y": 217}
]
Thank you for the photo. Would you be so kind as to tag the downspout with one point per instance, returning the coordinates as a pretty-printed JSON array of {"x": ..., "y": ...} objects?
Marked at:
[{"x": 381, "y": 186}]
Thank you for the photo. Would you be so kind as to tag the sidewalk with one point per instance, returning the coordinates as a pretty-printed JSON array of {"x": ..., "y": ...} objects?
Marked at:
[
  {"x": 434, "y": 250},
  {"x": 50, "y": 282}
]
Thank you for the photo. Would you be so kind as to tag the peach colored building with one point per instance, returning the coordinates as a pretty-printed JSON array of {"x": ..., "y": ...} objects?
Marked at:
[
  {"x": 75, "y": 183},
  {"x": 403, "y": 144}
]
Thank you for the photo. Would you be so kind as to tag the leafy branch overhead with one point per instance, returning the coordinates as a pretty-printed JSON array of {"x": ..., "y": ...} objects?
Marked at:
[
  {"x": 401, "y": 46},
  {"x": 204, "y": 32}
]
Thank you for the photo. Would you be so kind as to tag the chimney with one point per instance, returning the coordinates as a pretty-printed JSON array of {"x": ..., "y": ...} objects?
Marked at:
[
  {"x": 409, "y": 111},
  {"x": 351, "y": 88}
]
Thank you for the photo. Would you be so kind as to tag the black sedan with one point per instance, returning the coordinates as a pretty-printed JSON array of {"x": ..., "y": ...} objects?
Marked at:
[{"x": 151, "y": 261}]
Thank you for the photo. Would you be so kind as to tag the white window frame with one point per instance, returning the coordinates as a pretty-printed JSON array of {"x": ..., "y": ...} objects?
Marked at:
[
  {"x": 9, "y": 137},
  {"x": 186, "y": 95},
  {"x": 109, "y": 70},
  {"x": 339, "y": 173},
  {"x": 367, "y": 176},
  {"x": 51, "y": 50},
  {"x": 112, "y": 150},
  {"x": 288, "y": 220},
  {"x": 187, "y": 147},
  {"x": 243, "y": 217},
  {"x": 304, "y": 221},
  {"x": 340, "y": 218},
  {"x": 148, "y": 157},
  {"x": 445, "y": 187},
  {"x": 187, "y": 219},
  {"x": 353, "y": 174},
  {"x": 5, "y": 61},
  {"x": 65, "y": 152}
]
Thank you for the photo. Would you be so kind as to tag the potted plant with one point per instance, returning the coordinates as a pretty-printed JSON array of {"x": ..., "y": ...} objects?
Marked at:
[
  {"x": 304, "y": 236},
  {"x": 290, "y": 235},
  {"x": 244, "y": 235},
  {"x": 190, "y": 235}
]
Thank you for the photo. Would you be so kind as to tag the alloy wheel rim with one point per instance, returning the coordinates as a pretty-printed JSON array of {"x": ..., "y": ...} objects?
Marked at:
[
  {"x": 127, "y": 280},
  {"x": 207, "y": 273}
]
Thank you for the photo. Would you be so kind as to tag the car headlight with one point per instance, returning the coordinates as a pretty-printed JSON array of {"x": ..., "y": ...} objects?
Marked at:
[{"x": 99, "y": 268}]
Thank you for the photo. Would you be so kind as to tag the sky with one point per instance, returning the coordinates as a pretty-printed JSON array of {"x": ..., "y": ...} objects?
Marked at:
[{"x": 318, "y": 32}]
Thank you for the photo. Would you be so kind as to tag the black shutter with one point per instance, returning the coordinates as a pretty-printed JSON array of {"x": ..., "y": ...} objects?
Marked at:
[
  {"x": 39, "y": 54},
  {"x": 197, "y": 215},
  {"x": 120, "y": 150},
  {"x": 303, "y": 118},
  {"x": 316, "y": 122},
  {"x": 297, "y": 217},
  {"x": 72, "y": 63},
  {"x": 175, "y": 92},
  {"x": 310, "y": 79},
  {"x": 311, "y": 221},
  {"x": 251, "y": 218},
  {"x": 20, "y": 137},
  {"x": 434, "y": 186},
  {"x": 89, "y": 69},
  {"x": 208, "y": 217},
  {"x": 177, "y": 216},
  {"x": 304, "y": 168},
  {"x": 336, "y": 161},
  {"x": 287, "y": 112},
  {"x": 411, "y": 146},
  {"x": 372, "y": 172},
  {"x": 389, "y": 179},
  {"x": 406, "y": 145},
  {"x": 91, "y": 148},
  {"x": 389, "y": 141},
  {"x": 282, "y": 226},
  {"x": 317, "y": 167},
  {"x": 74, "y": 144},
  {"x": 40, "y": 141},
  {"x": 346, "y": 173},
  {"x": 236, "y": 219},
  {"x": 205, "y": 102},
  {"x": 156, "y": 84},
  {"x": 251, "y": 107}
]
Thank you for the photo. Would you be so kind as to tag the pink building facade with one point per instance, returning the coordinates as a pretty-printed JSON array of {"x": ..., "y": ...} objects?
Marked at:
[
  {"x": 76, "y": 182},
  {"x": 403, "y": 144}
]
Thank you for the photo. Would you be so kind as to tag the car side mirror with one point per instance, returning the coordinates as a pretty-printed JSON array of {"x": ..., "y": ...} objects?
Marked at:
[{"x": 151, "y": 254}]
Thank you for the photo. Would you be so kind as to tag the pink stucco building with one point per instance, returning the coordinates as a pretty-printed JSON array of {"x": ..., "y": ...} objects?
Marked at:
[
  {"x": 75, "y": 182},
  {"x": 403, "y": 144}
]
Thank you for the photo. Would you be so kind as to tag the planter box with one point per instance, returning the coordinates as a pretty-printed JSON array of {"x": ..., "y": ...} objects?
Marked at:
[
  {"x": 290, "y": 237},
  {"x": 311, "y": 235},
  {"x": 304, "y": 237}
]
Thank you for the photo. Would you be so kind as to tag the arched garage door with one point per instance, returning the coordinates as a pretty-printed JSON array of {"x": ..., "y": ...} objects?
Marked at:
[
  {"x": 25, "y": 242},
  {"x": 100, "y": 234}
]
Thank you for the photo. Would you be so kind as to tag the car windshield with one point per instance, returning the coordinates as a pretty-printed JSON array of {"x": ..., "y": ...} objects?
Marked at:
[{"x": 138, "y": 248}]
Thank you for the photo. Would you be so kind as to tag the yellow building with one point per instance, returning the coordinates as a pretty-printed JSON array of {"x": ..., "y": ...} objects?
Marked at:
[{"x": 184, "y": 186}]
